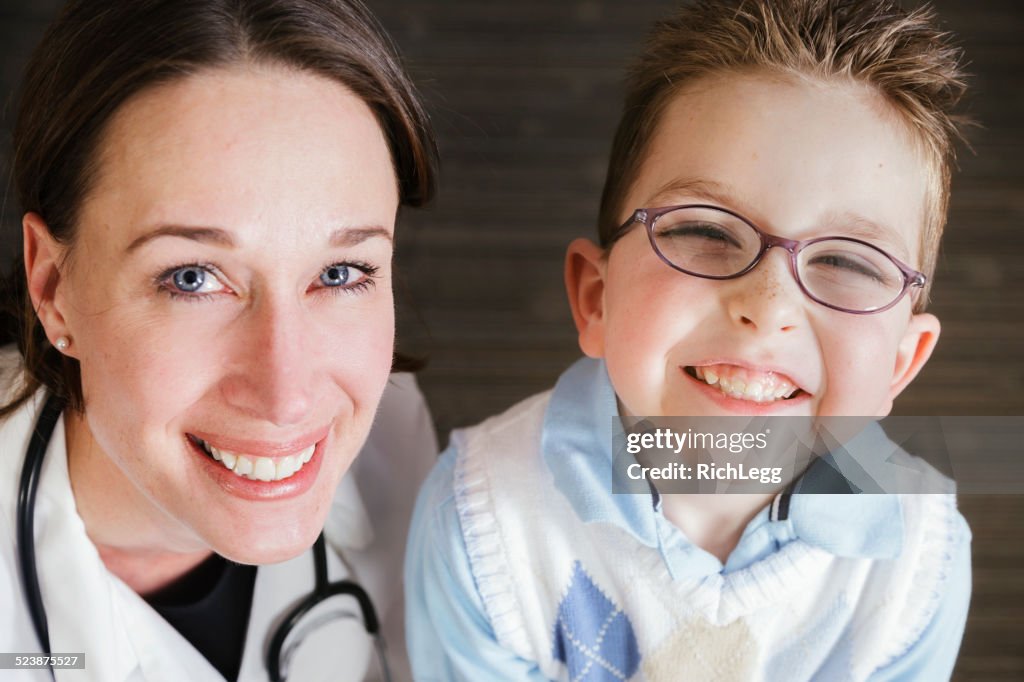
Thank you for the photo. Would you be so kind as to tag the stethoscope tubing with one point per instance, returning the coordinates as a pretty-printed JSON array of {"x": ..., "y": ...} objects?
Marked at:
[{"x": 27, "y": 488}]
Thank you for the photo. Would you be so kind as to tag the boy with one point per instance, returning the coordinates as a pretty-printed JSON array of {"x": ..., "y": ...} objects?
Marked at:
[{"x": 772, "y": 212}]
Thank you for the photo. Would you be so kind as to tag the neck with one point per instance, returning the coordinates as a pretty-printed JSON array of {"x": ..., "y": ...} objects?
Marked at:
[
  {"x": 714, "y": 523},
  {"x": 136, "y": 540}
]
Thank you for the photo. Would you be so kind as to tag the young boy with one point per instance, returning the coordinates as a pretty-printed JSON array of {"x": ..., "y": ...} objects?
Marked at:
[{"x": 777, "y": 188}]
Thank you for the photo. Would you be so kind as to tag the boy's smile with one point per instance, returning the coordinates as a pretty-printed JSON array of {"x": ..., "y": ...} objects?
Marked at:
[
  {"x": 746, "y": 383},
  {"x": 802, "y": 159}
]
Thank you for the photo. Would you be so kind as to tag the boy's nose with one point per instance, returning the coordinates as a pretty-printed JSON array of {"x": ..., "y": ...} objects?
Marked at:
[{"x": 767, "y": 299}]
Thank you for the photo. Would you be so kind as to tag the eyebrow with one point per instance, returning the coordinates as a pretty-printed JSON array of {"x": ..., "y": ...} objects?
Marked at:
[
  {"x": 705, "y": 190},
  {"x": 859, "y": 227},
  {"x": 342, "y": 237},
  {"x": 851, "y": 224},
  {"x": 350, "y": 236},
  {"x": 206, "y": 235}
]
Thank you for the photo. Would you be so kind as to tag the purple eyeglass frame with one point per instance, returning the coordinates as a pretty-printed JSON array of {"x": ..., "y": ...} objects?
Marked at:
[{"x": 649, "y": 216}]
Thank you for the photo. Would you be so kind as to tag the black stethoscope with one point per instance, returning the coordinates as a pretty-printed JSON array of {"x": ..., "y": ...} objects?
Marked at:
[{"x": 323, "y": 588}]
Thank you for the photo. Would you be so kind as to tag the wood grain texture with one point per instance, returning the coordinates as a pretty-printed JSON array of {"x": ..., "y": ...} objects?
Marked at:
[{"x": 525, "y": 96}]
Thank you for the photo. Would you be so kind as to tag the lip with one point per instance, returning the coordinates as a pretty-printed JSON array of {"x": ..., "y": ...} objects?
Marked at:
[
  {"x": 785, "y": 373},
  {"x": 263, "y": 448},
  {"x": 238, "y": 486},
  {"x": 745, "y": 407}
]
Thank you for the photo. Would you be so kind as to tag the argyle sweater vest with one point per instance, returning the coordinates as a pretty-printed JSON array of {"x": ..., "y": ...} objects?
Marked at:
[{"x": 589, "y": 601}]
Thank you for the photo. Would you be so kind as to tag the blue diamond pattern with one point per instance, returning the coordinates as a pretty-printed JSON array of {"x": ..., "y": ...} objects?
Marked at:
[{"x": 593, "y": 637}]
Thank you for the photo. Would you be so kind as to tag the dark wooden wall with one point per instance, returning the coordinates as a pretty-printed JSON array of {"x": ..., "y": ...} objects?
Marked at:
[{"x": 525, "y": 95}]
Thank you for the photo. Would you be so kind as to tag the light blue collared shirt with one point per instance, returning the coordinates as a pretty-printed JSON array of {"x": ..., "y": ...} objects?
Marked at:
[{"x": 450, "y": 637}]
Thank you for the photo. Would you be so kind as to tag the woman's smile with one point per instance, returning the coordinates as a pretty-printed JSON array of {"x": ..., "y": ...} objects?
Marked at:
[
  {"x": 278, "y": 473},
  {"x": 266, "y": 461}
]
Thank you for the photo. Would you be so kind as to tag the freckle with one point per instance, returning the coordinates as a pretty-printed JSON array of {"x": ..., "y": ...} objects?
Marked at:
[{"x": 755, "y": 156}]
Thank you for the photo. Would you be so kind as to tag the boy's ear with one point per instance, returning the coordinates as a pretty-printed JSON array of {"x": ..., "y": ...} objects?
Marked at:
[
  {"x": 915, "y": 348},
  {"x": 584, "y": 283},
  {"x": 43, "y": 255}
]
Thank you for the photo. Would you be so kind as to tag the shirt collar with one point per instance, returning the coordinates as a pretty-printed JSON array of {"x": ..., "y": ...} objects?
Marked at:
[
  {"x": 835, "y": 506},
  {"x": 577, "y": 449}
]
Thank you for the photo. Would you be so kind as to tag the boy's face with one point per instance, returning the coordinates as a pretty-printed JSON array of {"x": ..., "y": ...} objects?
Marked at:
[{"x": 799, "y": 159}]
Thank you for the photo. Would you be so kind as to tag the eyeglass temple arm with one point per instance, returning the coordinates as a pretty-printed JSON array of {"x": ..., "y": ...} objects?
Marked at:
[{"x": 638, "y": 216}]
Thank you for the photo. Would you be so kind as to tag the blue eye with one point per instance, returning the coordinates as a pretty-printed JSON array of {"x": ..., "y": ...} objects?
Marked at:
[
  {"x": 335, "y": 276},
  {"x": 189, "y": 279},
  {"x": 351, "y": 277}
]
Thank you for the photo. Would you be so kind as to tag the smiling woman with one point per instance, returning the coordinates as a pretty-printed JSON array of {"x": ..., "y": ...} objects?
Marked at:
[{"x": 209, "y": 190}]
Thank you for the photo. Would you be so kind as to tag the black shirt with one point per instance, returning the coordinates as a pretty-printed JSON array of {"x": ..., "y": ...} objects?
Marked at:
[{"x": 210, "y": 607}]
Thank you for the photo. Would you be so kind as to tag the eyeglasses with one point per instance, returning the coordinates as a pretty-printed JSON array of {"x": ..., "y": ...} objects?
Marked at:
[{"x": 841, "y": 273}]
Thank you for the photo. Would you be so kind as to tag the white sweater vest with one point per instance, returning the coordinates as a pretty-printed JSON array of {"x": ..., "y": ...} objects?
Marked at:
[{"x": 588, "y": 601}]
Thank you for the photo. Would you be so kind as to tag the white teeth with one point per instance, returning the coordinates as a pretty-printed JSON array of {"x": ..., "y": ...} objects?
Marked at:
[
  {"x": 286, "y": 466},
  {"x": 756, "y": 391},
  {"x": 243, "y": 467},
  {"x": 260, "y": 468},
  {"x": 263, "y": 469},
  {"x": 742, "y": 384}
]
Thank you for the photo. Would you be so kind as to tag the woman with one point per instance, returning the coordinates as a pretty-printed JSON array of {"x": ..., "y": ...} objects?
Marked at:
[{"x": 210, "y": 190}]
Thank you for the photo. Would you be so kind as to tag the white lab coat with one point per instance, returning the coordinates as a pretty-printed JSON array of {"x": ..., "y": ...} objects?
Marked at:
[{"x": 90, "y": 610}]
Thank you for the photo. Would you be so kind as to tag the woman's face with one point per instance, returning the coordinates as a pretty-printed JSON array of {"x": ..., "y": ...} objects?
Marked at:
[{"x": 229, "y": 294}]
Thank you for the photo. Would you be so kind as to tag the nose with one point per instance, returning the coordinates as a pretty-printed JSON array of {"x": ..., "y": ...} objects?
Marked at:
[
  {"x": 273, "y": 369},
  {"x": 766, "y": 300}
]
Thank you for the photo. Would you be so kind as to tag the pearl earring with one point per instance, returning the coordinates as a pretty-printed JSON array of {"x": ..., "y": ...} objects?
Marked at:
[{"x": 62, "y": 343}]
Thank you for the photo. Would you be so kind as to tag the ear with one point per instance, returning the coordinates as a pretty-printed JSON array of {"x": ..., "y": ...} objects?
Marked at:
[
  {"x": 43, "y": 256},
  {"x": 584, "y": 283},
  {"x": 915, "y": 348}
]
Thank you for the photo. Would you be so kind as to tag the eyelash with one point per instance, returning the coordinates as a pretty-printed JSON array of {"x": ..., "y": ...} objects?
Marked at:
[
  {"x": 161, "y": 281},
  {"x": 366, "y": 282},
  {"x": 164, "y": 286}
]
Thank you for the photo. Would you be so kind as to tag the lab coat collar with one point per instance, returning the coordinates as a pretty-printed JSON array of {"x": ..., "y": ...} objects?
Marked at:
[{"x": 83, "y": 603}]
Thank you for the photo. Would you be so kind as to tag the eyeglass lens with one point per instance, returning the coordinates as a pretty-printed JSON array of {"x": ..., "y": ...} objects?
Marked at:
[{"x": 837, "y": 272}]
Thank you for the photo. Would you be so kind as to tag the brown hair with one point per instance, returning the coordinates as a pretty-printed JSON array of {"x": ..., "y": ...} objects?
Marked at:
[
  {"x": 95, "y": 56},
  {"x": 903, "y": 55}
]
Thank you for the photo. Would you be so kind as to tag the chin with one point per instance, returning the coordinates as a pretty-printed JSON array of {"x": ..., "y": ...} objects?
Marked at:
[{"x": 257, "y": 548}]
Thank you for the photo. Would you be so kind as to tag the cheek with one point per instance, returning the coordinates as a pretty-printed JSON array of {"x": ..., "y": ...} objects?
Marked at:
[
  {"x": 359, "y": 349},
  {"x": 652, "y": 309},
  {"x": 649, "y": 319},
  {"x": 634, "y": 325},
  {"x": 859, "y": 359},
  {"x": 138, "y": 378},
  {"x": 134, "y": 359}
]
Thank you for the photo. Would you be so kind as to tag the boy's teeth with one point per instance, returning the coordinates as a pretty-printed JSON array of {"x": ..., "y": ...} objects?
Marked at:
[
  {"x": 743, "y": 384},
  {"x": 260, "y": 468}
]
